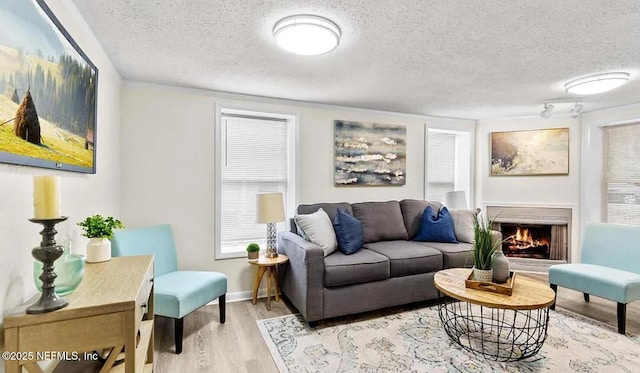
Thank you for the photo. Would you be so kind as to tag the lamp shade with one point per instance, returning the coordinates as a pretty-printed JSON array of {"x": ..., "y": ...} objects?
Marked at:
[
  {"x": 455, "y": 200},
  {"x": 269, "y": 208}
]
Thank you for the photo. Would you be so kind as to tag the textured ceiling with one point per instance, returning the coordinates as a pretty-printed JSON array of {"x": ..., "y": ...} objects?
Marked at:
[{"x": 452, "y": 58}]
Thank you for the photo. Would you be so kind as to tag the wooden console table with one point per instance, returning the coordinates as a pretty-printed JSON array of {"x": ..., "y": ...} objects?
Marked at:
[{"x": 112, "y": 309}]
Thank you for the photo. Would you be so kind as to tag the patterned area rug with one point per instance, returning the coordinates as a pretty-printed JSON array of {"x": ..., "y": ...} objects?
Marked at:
[{"x": 414, "y": 341}]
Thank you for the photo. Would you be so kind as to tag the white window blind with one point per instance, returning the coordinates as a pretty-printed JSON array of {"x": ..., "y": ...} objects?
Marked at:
[
  {"x": 622, "y": 174},
  {"x": 253, "y": 159},
  {"x": 441, "y": 164}
]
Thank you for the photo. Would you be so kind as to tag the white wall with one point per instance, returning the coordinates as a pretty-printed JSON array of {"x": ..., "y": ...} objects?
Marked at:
[
  {"x": 551, "y": 191},
  {"x": 81, "y": 194},
  {"x": 168, "y": 173}
]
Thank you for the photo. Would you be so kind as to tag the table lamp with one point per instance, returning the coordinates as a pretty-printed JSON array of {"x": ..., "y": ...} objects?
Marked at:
[
  {"x": 270, "y": 210},
  {"x": 455, "y": 200}
]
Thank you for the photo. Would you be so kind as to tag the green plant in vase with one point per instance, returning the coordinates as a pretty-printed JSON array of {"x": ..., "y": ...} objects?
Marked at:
[
  {"x": 99, "y": 230},
  {"x": 483, "y": 248},
  {"x": 253, "y": 251}
]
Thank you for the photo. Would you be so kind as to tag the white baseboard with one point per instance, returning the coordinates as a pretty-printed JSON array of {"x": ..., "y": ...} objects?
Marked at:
[{"x": 241, "y": 295}]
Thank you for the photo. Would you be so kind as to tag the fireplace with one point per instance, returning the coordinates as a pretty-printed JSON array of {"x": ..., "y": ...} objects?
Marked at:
[{"x": 534, "y": 238}]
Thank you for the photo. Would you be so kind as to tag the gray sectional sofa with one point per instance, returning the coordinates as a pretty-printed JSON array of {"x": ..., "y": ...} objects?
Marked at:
[{"x": 390, "y": 270}]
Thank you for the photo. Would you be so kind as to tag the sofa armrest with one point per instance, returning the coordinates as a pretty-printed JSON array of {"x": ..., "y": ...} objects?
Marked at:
[{"x": 303, "y": 278}]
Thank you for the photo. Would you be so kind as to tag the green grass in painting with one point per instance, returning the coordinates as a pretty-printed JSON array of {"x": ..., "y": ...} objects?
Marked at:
[{"x": 61, "y": 146}]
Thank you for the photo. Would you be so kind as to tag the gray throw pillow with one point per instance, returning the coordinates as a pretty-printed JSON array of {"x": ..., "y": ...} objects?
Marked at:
[
  {"x": 463, "y": 224},
  {"x": 317, "y": 228}
]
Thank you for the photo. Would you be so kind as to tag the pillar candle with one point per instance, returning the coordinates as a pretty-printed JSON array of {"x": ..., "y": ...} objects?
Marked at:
[{"x": 46, "y": 197}]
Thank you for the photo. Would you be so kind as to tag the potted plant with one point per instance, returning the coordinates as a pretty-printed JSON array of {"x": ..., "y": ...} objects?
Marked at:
[
  {"x": 99, "y": 230},
  {"x": 253, "y": 251},
  {"x": 483, "y": 248}
]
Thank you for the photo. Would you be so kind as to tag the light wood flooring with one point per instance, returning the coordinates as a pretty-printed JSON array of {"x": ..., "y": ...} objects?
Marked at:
[{"x": 237, "y": 345}]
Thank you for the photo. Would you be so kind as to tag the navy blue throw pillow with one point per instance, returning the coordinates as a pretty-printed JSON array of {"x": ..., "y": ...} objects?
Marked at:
[
  {"x": 349, "y": 232},
  {"x": 436, "y": 228}
]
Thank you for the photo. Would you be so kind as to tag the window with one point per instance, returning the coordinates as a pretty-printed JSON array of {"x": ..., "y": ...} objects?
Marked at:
[
  {"x": 255, "y": 157},
  {"x": 448, "y": 163},
  {"x": 621, "y": 174}
]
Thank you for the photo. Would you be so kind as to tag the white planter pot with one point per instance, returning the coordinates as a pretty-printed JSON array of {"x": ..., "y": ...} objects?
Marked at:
[
  {"x": 484, "y": 275},
  {"x": 98, "y": 250}
]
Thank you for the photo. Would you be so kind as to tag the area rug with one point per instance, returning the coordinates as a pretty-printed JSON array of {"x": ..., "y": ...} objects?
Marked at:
[{"x": 414, "y": 341}]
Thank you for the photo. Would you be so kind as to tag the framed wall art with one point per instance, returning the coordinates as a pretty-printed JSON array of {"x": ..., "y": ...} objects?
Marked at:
[
  {"x": 369, "y": 154},
  {"x": 531, "y": 152},
  {"x": 47, "y": 91}
]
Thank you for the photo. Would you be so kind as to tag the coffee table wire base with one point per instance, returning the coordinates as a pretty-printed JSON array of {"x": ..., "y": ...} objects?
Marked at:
[{"x": 498, "y": 334}]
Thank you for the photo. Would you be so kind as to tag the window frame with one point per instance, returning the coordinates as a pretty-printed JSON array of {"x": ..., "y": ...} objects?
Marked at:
[
  {"x": 290, "y": 198},
  {"x": 464, "y": 160},
  {"x": 605, "y": 180}
]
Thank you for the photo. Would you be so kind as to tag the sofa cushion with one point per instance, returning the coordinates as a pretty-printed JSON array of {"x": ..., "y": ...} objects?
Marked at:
[
  {"x": 412, "y": 210},
  {"x": 436, "y": 227},
  {"x": 463, "y": 224},
  {"x": 407, "y": 257},
  {"x": 329, "y": 208},
  {"x": 453, "y": 255},
  {"x": 381, "y": 221},
  {"x": 318, "y": 229},
  {"x": 362, "y": 266},
  {"x": 348, "y": 232}
]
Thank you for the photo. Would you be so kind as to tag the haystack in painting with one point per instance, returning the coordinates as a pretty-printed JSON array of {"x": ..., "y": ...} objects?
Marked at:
[{"x": 27, "y": 125}]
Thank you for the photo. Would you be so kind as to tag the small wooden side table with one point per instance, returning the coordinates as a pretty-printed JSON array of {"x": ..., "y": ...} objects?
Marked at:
[{"x": 268, "y": 265}]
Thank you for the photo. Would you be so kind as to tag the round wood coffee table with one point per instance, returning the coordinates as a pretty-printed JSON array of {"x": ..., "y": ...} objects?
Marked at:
[{"x": 500, "y": 327}]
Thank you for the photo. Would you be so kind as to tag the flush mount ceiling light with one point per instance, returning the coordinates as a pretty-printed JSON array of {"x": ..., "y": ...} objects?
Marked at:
[
  {"x": 546, "y": 113},
  {"x": 598, "y": 83},
  {"x": 306, "y": 34}
]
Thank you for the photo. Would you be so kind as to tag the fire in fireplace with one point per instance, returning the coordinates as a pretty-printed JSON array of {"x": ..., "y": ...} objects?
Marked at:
[{"x": 526, "y": 241}]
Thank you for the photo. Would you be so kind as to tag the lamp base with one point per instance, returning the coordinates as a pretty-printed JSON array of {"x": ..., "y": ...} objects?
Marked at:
[{"x": 271, "y": 255}]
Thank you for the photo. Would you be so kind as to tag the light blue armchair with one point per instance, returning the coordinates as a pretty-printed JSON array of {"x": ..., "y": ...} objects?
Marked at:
[
  {"x": 177, "y": 293},
  {"x": 609, "y": 267}
]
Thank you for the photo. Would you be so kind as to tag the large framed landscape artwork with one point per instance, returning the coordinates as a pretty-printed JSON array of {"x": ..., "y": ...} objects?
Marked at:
[
  {"x": 531, "y": 152},
  {"x": 47, "y": 91},
  {"x": 369, "y": 154}
]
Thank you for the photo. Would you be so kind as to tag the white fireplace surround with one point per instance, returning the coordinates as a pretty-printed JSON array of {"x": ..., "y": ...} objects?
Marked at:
[{"x": 555, "y": 215}]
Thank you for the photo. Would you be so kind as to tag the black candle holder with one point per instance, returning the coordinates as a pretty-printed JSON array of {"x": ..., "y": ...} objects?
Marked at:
[{"x": 47, "y": 253}]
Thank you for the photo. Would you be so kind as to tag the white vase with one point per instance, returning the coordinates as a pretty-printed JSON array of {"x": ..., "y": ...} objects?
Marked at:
[
  {"x": 98, "y": 250},
  {"x": 484, "y": 275}
]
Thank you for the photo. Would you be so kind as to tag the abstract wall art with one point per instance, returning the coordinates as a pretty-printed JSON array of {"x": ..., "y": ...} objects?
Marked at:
[
  {"x": 369, "y": 154},
  {"x": 532, "y": 152}
]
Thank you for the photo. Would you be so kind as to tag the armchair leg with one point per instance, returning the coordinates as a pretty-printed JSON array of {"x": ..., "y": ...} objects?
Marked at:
[
  {"x": 586, "y": 297},
  {"x": 622, "y": 317},
  {"x": 221, "y": 303},
  {"x": 554, "y": 287},
  {"x": 179, "y": 329}
]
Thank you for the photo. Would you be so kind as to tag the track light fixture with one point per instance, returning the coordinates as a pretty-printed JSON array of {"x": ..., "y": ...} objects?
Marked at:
[
  {"x": 575, "y": 111},
  {"x": 563, "y": 106},
  {"x": 546, "y": 113}
]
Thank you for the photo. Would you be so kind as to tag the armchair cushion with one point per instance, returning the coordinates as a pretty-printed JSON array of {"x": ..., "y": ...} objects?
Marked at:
[
  {"x": 156, "y": 240},
  {"x": 179, "y": 293}
]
